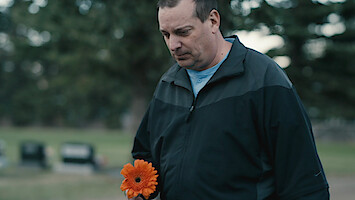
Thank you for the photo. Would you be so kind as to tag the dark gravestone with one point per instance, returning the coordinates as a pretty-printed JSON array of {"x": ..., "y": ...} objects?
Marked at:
[
  {"x": 77, "y": 158},
  {"x": 33, "y": 154},
  {"x": 3, "y": 160},
  {"x": 2, "y": 148}
]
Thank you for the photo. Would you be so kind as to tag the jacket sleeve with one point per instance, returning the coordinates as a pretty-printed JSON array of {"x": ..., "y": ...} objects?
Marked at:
[
  {"x": 298, "y": 171},
  {"x": 141, "y": 146}
]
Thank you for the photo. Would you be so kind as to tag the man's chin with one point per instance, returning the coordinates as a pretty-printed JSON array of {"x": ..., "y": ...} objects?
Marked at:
[
  {"x": 190, "y": 66},
  {"x": 185, "y": 64}
]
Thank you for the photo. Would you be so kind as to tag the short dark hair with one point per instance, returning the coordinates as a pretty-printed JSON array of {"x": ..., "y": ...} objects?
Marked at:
[{"x": 203, "y": 7}]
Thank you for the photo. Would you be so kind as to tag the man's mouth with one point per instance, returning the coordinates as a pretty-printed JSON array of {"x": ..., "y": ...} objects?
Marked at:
[{"x": 181, "y": 56}]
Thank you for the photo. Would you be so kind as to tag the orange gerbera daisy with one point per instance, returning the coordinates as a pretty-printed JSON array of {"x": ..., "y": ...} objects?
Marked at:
[{"x": 139, "y": 179}]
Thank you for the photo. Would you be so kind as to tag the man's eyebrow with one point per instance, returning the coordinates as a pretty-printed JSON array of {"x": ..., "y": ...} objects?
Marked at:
[
  {"x": 177, "y": 30},
  {"x": 182, "y": 28}
]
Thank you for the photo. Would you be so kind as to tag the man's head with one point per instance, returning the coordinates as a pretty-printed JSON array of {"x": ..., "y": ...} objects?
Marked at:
[
  {"x": 191, "y": 31},
  {"x": 203, "y": 7}
]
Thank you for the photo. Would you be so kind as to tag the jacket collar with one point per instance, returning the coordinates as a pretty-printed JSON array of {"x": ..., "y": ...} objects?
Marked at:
[{"x": 232, "y": 66}]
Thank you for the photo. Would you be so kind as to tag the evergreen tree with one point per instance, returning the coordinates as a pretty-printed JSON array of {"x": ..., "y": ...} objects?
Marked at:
[
  {"x": 86, "y": 61},
  {"x": 319, "y": 40}
]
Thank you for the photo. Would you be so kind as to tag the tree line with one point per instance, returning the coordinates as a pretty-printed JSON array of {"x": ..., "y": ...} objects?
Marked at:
[{"x": 84, "y": 62}]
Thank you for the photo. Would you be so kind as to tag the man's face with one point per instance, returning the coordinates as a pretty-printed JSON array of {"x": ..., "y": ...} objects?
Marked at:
[{"x": 190, "y": 41}]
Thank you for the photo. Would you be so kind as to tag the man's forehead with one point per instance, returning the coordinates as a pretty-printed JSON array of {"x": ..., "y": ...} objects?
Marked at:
[
  {"x": 177, "y": 23},
  {"x": 177, "y": 16}
]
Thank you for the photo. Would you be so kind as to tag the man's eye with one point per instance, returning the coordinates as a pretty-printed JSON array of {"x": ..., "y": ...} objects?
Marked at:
[
  {"x": 166, "y": 35},
  {"x": 184, "y": 32}
]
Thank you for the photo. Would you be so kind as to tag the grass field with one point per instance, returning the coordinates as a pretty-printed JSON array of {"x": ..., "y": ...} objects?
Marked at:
[
  {"x": 338, "y": 158},
  {"x": 18, "y": 183},
  {"x": 32, "y": 184},
  {"x": 113, "y": 144}
]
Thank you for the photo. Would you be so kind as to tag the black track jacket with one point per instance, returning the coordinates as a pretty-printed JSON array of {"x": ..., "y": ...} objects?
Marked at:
[{"x": 246, "y": 136}]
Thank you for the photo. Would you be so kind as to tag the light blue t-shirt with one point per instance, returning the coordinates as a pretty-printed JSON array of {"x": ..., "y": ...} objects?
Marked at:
[{"x": 200, "y": 78}]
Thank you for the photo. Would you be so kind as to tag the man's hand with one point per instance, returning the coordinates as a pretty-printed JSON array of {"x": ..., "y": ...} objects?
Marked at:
[{"x": 136, "y": 198}]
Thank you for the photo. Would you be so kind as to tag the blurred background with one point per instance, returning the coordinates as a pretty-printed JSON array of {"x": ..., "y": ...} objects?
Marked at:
[{"x": 76, "y": 77}]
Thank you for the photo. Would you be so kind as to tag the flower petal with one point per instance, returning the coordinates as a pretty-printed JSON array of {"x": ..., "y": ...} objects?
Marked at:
[{"x": 127, "y": 169}]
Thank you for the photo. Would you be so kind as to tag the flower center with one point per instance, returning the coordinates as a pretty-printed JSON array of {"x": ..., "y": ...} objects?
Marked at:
[{"x": 138, "y": 179}]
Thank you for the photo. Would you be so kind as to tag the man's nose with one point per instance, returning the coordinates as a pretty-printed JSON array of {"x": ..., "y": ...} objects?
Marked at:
[{"x": 174, "y": 43}]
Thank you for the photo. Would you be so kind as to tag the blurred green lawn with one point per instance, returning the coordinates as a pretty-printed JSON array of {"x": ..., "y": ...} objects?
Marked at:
[
  {"x": 18, "y": 184},
  {"x": 338, "y": 158},
  {"x": 113, "y": 144}
]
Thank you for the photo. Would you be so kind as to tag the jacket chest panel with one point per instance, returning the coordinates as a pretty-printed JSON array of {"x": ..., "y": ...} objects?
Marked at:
[{"x": 213, "y": 135}]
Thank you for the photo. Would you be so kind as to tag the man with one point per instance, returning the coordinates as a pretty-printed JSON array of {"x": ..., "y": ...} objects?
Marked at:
[{"x": 225, "y": 122}]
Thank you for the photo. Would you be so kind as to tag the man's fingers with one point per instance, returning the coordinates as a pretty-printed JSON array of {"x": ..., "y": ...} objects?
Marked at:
[{"x": 136, "y": 198}]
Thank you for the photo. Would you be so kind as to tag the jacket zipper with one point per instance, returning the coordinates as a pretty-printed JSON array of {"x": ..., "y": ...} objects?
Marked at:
[
  {"x": 186, "y": 144},
  {"x": 192, "y": 108}
]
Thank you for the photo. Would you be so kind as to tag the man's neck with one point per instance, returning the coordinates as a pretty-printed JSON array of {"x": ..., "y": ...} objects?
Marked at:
[{"x": 222, "y": 51}]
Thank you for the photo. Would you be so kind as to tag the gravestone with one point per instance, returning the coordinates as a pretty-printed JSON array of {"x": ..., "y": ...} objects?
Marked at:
[
  {"x": 33, "y": 154},
  {"x": 77, "y": 158},
  {"x": 3, "y": 160}
]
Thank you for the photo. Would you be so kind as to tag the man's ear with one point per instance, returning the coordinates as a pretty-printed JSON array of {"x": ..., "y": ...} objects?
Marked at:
[{"x": 215, "y": 20}]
